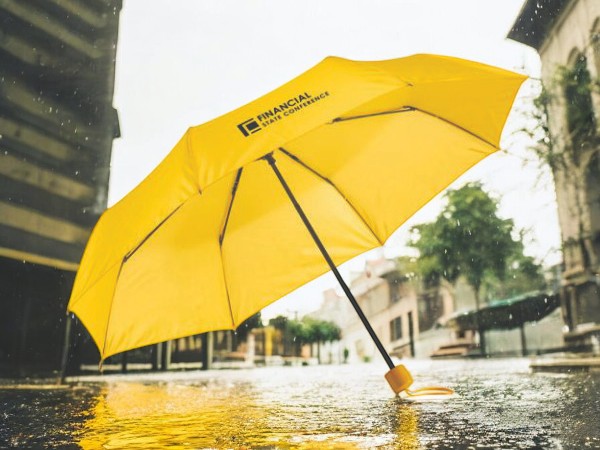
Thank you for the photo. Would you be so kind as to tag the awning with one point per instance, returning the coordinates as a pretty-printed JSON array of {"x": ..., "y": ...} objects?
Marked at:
[{"x": 507, "y": 313}]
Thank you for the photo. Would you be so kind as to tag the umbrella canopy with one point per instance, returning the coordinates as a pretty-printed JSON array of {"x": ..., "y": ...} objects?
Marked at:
[{"x": 210, "y": 237}]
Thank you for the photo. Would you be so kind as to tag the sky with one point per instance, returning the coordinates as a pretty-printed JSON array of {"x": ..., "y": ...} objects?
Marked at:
[{"x": 183, "y": 62}]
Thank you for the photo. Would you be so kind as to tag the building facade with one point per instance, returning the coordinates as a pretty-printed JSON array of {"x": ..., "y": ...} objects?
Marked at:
[
  {"x": 392, "y": 301},
  {"x": 566, "y": 35},
  {"x": 57, "y": 124}
]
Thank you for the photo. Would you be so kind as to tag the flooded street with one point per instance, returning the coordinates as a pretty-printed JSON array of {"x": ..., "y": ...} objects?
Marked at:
[{"x": 500, "y": 405}]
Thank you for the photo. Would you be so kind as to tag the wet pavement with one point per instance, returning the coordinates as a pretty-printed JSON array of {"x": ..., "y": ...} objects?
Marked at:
[{"x": 501, "y": 404}]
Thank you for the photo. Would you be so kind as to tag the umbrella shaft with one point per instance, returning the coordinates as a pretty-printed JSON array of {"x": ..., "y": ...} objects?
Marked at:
[{"x": 271, "y": 160}]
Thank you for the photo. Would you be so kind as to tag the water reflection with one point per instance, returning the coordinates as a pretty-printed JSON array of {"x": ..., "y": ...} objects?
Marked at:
[
  {"x": 131, "y": 415},
  {"x": 270, "y": 412}
]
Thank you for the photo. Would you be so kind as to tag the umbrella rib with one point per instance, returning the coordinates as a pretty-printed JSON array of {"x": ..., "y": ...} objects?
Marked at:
[
  {"x": 154, "y": 230},
  {"x": 458, "y": 126},
  {"x": 236, "y": 182},
  {"x": 382, "y": 113},
  {"x": 410, "y": 109},
  {"x": 234, "y": 189},
  {"x": 333, "y": 185}
]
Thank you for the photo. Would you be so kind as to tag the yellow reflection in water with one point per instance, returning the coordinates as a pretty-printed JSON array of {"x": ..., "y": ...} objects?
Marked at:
[
  {"x": 406, "y": 426},
  {"x": 131, "y": 415},
  {"x": 179, "y": 416}
]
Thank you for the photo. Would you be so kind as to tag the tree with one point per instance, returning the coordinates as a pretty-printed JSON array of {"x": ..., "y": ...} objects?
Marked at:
[
  {"x": 309, "y": 330},
  {"x": 292, "y": 334},
  {"x": 319, "y": 331},
  {"x": 468, "y": 239}
]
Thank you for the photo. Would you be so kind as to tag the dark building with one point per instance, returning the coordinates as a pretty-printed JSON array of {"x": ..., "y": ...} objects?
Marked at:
[{"x": 57, "y": 124}]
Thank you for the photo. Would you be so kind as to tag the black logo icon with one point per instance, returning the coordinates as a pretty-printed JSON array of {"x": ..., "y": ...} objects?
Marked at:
[{"x": 249, "y": 127}]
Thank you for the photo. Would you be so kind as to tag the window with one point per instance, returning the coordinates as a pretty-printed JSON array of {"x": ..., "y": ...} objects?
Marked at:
[{"x": 396, "y": 329}]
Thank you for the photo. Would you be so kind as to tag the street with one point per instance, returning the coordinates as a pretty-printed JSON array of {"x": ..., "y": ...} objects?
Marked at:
[{"x": 500, "y": 403}]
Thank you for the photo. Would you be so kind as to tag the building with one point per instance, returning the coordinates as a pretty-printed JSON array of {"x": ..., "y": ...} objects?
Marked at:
[
  {"x": 566, "y": 35},
  {"x": 392, "y": 301},
  {"x": 57, "y": 123}
]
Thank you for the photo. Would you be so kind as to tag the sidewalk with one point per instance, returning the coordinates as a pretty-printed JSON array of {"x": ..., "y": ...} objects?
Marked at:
[{"x": 567, "y": 363}]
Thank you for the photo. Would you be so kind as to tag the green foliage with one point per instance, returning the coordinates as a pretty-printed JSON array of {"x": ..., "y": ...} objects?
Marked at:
[
  {"x": 279, "y": 323},
  {"x": 308, "y": 330},
  {"x": 316, "y": 330},
  {"x": 523, "y": 274},
  {"x": 577, "y": 85},
  {"x": 574, "y": 85},
  {"x": 544, "y": 146},
  {"x": 468, "y": 239}
]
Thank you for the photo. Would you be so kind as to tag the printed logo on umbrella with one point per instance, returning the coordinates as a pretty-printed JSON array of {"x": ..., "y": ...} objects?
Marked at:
[
  {"x": 279, "y": 112},
  {"x": 249, "y": 127}
]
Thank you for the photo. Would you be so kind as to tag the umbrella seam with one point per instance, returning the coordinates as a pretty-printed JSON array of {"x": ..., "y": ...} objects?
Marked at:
[
  {"x": 112, "y": 299},
  {"x": 503, "y": 75},
  {"x": 333, "y": 185},
  {"x": 375, "y": 67},
  {"x": 80, "y": 296},
  {"x": 192, "y": 160}
]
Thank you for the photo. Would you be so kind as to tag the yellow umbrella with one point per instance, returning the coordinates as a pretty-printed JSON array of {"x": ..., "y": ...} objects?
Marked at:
[{"x": 210, "y": 237}]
